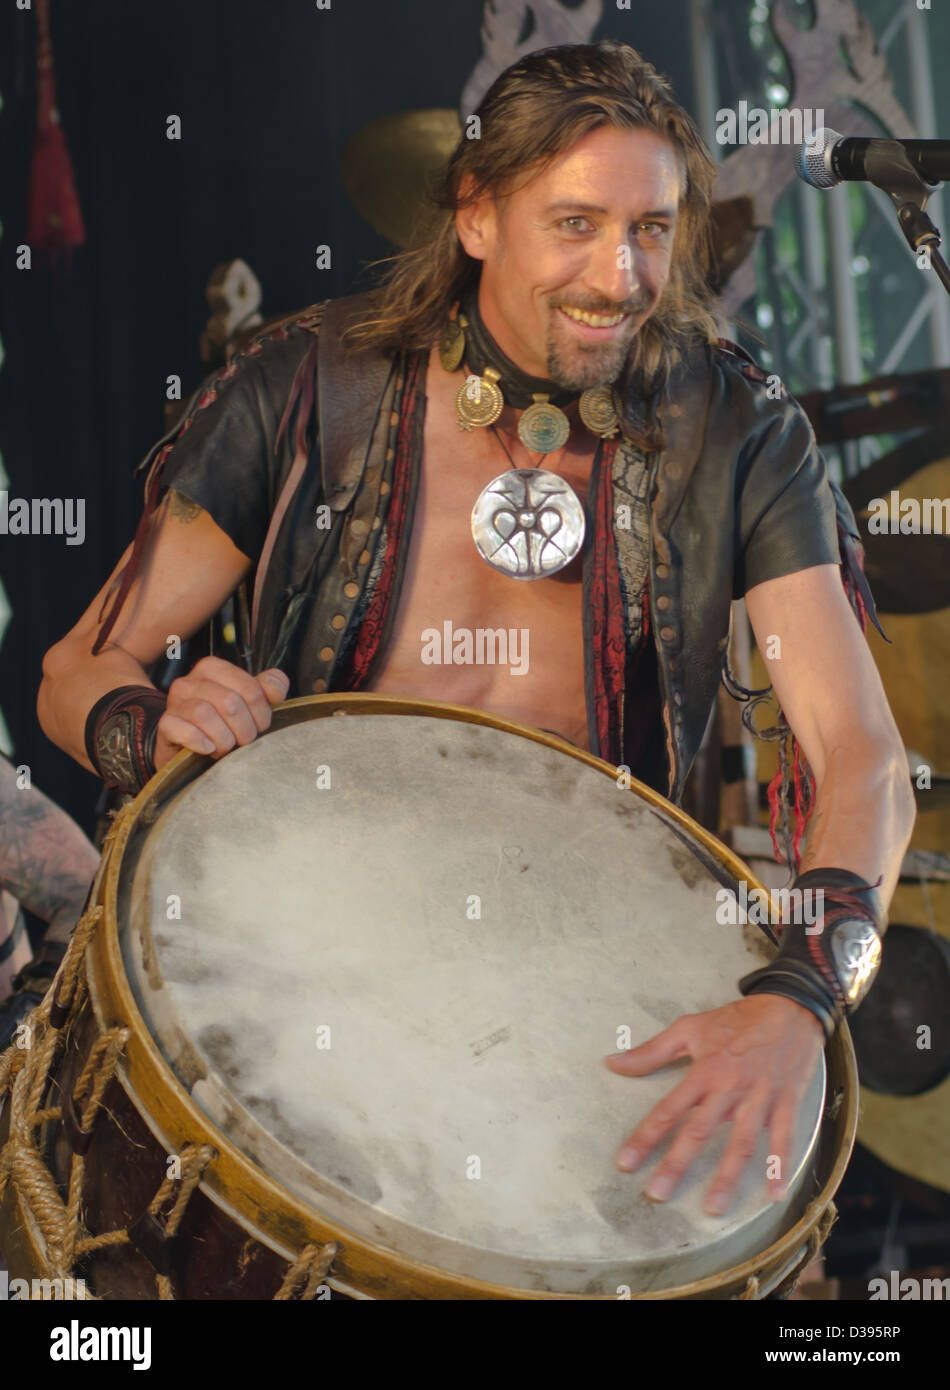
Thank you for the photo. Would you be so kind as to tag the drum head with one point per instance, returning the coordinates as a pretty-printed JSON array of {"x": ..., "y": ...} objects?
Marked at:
[{"x": 387, "y": 955}]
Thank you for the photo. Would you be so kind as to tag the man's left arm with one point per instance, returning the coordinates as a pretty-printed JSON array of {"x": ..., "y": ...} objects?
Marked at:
[
  {"x": 831, "y": 694},
  {"x": 753, "y": 1059}
]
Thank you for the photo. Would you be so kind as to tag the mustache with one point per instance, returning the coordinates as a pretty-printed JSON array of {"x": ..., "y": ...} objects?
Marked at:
[{"x": 635, "y": 305}]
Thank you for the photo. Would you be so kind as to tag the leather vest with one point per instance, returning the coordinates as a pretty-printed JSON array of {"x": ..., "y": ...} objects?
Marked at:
[{"x": 724, "y": 434}]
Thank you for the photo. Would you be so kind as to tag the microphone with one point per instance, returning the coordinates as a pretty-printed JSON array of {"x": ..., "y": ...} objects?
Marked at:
[{"x": 827, "y": 158}]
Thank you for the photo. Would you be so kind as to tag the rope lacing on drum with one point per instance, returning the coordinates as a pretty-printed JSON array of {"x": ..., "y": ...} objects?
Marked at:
[
  {"x": 816, "y": 1240},
  {"x": 194, "y": 1159},
  {"x": 25, "y": 1073},
  {"x": 25, "y": 1076},
  {"x": 310, "y": 1268}
]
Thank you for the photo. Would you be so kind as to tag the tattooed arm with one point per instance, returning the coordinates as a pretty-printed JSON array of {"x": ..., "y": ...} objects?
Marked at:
[
  {"x": 46, "y": 862},
  {"x": 181, "y": 507}
]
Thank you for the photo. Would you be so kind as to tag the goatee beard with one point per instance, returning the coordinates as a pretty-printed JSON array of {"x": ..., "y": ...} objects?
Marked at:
[
  {"x": 578, "y": 367},
  {"x": 600, "y": 367}
]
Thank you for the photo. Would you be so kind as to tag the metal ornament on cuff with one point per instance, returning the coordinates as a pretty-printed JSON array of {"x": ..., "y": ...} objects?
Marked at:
[
  {"x": 114, "y": 747},
  {"x": 528, "y": 523},
  {"x": 856, "y": 953}
]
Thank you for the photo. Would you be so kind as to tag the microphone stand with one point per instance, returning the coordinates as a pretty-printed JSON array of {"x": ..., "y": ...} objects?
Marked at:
[{"x": 887, "y": 166}]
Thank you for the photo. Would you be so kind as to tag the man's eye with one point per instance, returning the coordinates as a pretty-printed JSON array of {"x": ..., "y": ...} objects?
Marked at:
[
  {"x": 656, "y": 229},
  {"x": 568, "y": 220}
]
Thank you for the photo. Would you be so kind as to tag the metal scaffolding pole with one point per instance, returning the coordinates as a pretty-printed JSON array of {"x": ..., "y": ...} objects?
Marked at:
[
  {"x": 844, "y": 303},
  {"x": 844, "y": 297},
  {"x": 813, "y": 263},
  {"x": 919, "y": 50},
  {"x": 705, "y": 86}
]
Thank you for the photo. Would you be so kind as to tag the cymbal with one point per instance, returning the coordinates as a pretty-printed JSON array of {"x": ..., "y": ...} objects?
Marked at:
[
  {"x": 389, "y": 164},
  {"x": 907, "y": 574},
  {"x": 911, "y": 1133},
  {"x": 936, "y": 797},
  {"x": 894, "y": 468},
  {"x": 911, "y": 993}
]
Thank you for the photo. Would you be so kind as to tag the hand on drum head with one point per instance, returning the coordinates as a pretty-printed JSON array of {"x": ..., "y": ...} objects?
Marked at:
[
  {"x": 216, "y": 707},
  {"x": 752, "y": 1064}
]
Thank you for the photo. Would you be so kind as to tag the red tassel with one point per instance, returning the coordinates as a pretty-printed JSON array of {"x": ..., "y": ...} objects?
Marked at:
[
  {"x": 773, "y": 795},
  {"x": 778, "y": 793},
  {"x": 801, "y": 819},
  {"x": 54, "y": 221}
]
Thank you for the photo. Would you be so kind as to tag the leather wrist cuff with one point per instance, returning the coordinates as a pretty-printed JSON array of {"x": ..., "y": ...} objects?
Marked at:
[
  {"x": 796, "y": 980},
  {"x": 120, "y": 736},
  {"x": 839, "y": 882},
  {"x": 827, "y": 964}
]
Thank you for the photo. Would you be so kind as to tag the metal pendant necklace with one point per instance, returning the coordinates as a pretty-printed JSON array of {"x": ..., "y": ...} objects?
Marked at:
[{"x": 527, "y": 523}]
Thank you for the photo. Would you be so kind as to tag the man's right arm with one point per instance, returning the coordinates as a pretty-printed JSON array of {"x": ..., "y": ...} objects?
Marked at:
[{"x": 189, "y": 567}]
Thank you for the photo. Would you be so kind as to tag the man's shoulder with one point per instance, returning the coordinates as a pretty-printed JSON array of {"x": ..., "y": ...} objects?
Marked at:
[
  {"x": 263, "y": 369},
  {"x": 271, "y": 353},
  {"x": 258, "y": 375},
  {"x": 302, "y": 324},
  {"x": 297, "y": 330},
  {"x": 737, "y": 362},
  {"x": 738, "y": 383},
  {"x": 266, "y": 359},
  {"x": 755, "y": 398},
  {"x": 291, "y": 336}
]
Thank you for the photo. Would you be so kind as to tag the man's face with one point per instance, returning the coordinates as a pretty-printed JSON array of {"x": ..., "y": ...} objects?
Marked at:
[{"x": 592, "y": 232}]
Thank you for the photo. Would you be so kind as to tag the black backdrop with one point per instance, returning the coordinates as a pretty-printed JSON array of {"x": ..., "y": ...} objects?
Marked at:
[{"x": 268, "y": 92}]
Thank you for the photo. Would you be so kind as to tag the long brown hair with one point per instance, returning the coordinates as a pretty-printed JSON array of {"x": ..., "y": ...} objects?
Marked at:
[{"x": 534, "y": 111}]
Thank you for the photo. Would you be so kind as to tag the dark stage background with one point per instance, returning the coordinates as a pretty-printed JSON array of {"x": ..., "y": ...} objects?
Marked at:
[{"x": 268, "y": 95}]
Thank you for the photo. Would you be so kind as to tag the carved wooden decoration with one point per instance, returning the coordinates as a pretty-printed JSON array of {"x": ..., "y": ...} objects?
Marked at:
[
  {"x": 234, "y": 298},
  {"x": 821, "y": 81}
]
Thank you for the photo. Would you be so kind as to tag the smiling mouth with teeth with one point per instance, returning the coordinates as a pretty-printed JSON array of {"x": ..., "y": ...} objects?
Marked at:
[{"x": 592, "y": 320}]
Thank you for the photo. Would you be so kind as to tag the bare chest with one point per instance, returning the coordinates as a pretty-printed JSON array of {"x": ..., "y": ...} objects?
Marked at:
[{"x": 464, "y": 632}]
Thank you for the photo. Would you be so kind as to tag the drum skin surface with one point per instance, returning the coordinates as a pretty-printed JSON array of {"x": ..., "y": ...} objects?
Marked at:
[{"x": 386, "y": 957}]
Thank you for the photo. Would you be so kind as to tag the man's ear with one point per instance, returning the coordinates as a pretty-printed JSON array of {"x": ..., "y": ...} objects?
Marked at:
[{"x": 475, "y": 221}]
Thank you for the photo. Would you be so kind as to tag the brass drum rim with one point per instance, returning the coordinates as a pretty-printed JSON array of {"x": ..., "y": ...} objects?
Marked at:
[{"x": 286, "y": 1221}]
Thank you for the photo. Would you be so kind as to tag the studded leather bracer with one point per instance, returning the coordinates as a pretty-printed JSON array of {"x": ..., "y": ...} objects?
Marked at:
[
  {"x": 120, "y": 736},
  {"x": 829, "y": 964}
]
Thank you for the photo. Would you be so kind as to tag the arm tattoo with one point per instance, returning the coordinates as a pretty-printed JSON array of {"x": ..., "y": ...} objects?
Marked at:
[
  {"x": 182, "y": 507},
  {"x": 174, "y": 504},
  {"x": 46, "y": 861}
]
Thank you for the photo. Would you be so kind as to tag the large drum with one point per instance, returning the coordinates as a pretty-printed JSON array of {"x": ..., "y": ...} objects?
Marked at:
[{"x": 341, "y": 1023}]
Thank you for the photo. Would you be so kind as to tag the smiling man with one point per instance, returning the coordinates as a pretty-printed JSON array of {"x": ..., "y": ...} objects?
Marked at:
[{"x": 531, "y": 426}]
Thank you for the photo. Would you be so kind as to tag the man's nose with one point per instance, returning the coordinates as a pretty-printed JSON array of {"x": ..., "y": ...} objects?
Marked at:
[{"x": 615, "y": 271}]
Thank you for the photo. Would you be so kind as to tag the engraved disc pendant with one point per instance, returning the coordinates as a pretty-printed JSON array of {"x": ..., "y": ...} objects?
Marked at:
[
  {"x": 478, "y": 401},
  {"x": 528, "y": 523},
  {"x": 598, "y": 412},
  {"x": 543, "y": 427}
]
